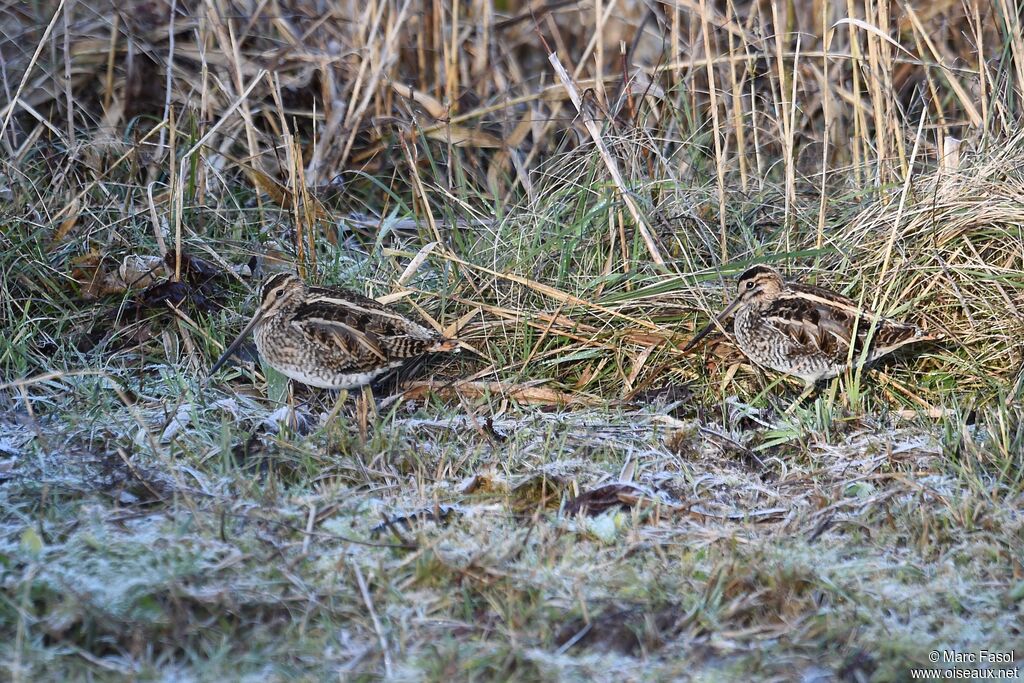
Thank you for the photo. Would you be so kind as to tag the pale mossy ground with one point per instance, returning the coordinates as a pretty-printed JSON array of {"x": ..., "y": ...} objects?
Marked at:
[{"x": 849, "y": 557}]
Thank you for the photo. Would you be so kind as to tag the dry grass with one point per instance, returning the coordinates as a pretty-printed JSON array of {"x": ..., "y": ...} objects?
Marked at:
[{"x": 571, "y": 186}]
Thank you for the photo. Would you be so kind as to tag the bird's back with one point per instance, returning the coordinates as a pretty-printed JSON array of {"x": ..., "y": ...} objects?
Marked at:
[
  {"x": 364, "y": 327},
  {"x": 822, "y": 322}
]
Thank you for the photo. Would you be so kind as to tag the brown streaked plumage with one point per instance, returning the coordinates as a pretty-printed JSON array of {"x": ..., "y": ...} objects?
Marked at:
[
  {"x": 806, "y": 331},
  {"x": 331, "y": 338}
]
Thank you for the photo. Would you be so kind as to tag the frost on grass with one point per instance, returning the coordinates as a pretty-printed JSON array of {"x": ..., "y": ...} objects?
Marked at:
[{"x": 704, "y": 545}]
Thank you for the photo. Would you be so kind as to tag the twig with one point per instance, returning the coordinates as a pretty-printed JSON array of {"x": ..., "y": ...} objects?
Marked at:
[
  {"x": 310, "y": 522},
  {"x": 609, "y": 162},
  {"x": 28, "y": 70},
  {"x": 373, "y": 616},
  {"x": 169, "y": 80}
]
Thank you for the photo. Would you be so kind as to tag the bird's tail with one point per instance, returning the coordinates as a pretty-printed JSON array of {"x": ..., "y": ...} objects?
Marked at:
[
  {"x": 444, "y": 345},
  {"x": 927, "y": 335}
]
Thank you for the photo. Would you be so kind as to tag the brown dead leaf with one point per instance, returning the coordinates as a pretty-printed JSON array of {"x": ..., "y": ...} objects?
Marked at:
[
  {"x": 278, "y": 193},
  {"x": 200, "y": 284},
  {"x": 461, "y": 136},
  {"x": 93, "y": 275},
  {"x": 67, "y": 225},
  {"x": 719, "y": 351},
  {"x": 648, "y": 338},
  {"x": 178, "y": 294},
  {"x": 138, "y": 272},
  {"x": 502, "y": 158},
  {"x": 452, "y": 331},
  {"x": 194, "y": 269},
  {"x": 430, "y": 104},
  {"x": 281, "y": 194},
  {"x": 639, "y": 361}
]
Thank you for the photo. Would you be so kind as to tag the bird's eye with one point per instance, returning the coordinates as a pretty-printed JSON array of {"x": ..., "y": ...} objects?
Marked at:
[{"x": 750, "y": 284}]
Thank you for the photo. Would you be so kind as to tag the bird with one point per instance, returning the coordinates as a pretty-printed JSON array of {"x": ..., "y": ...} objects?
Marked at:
[
  {"x": 806, "y": 331},
  {"x": 331, "y": 338}
]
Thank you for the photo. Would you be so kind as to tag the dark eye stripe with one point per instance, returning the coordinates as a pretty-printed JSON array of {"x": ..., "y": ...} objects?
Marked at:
[{"x": 275, "y": 283}]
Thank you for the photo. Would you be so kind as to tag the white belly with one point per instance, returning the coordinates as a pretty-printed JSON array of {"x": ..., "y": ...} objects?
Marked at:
[{"x": 341, "y": 381}]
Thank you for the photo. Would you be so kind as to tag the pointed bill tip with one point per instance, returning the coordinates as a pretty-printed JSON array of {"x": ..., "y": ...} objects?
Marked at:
[
  {"x": 923, "y": 335},
  {"x": 219, "y": 363},
  {"x": 704, "y": 331},
  {"x": 696, "y": 338},
  {"x": 233, "y": 346}
]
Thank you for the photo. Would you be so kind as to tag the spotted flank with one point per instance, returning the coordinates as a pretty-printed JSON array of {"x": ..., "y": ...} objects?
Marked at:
[
  {"x": 332, "y": 338},
  {"x": 805, "y": 331}
]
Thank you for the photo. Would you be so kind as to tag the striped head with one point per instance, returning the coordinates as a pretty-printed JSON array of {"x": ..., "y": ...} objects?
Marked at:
[
  {"x": 757, "y": 284},
  {"x": 278, "y": 291}
]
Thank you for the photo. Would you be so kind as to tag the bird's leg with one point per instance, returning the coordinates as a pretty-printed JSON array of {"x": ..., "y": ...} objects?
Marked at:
[
  {"x": 808, "y": 390},
  {"x": 766, "y": 392},
  {"x": 293, "y": 418},
  {"x": 371, "y": 402},
  {"x": 342, "y": 397},
  {"x": 300, "y": 409},
  {"x": 365, "y": 405}
]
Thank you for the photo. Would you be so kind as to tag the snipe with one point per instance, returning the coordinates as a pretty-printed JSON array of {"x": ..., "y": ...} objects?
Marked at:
[
  {"x": 807, "y": 331},
  {"x": 331, "y": 338}
]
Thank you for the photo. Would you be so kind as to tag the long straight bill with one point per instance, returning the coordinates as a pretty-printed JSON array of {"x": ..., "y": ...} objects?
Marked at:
[
  {"x": 711, "y": 325},
  {"x": 235, "y": 344}
]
